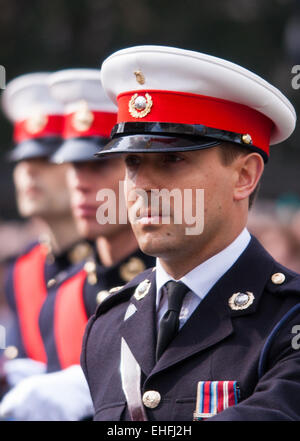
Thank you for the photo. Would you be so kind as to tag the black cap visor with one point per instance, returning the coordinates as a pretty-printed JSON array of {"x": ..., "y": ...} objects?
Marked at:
[
  {"x": 156, "y": 137},
  {"x": 34, "y": 148},
  {"x": 154, "y": 144},
  {"x": 79, "y": 150}
]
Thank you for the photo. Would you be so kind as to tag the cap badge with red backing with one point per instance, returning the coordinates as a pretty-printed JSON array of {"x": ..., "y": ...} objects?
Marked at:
[
  {"x": 83, "y": 118},
  {"x": 36, "y": 122},
  {"x": 139, "y": 105}
]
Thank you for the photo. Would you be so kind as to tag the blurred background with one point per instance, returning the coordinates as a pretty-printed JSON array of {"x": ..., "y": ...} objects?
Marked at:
[{"x": 263, "y": 36}]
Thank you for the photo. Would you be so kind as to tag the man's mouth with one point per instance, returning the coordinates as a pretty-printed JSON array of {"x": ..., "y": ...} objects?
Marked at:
[
  {"x": 149, "y": 217},
  {"x": 84, "y": 210}
]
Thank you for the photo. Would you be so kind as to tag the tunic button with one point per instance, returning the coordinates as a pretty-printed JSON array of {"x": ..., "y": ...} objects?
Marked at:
[
  {"x": 278, "y": 278},
  {"x": 11, "y": 352},
  {"x": 51, "y": 283},
  {"x": 151, "y": 399},
  {"x": 101, "y": 296}
]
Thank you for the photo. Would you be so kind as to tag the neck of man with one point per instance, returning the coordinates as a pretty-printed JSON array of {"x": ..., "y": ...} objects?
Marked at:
[
  {"x": 179, "y": 264},
  {"x": 62, "y": 233},
  {"x": 115, "y": 248}
]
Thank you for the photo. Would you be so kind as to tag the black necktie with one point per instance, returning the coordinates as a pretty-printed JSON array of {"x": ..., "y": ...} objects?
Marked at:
[{"x": 169, "y": 323}]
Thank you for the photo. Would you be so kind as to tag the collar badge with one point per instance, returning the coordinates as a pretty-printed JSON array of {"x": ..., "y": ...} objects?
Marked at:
[
  {"x": 241, "y": 300},
  {"x": 142, "y": 289}
]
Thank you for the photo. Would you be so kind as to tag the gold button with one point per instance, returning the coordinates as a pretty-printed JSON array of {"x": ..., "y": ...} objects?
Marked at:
[
  {"x": 151, "y": 399},
  {"x": 101, "y": 296},
  {"x": 90, "y": 266},
  {"x": 11, "y": 352},
  {"x": 247, "y": 139},
  {"x": 50, "y": 283},
  {"x": 92, "y": 279},
  {"x": 278, "y": 278}
]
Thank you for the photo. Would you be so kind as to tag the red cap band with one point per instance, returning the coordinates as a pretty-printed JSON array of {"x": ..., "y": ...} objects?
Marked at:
[
  {"x": 89, "y": 123},
  {"x": 188, "y": 108},
  {"x": 40, "y": 126}
]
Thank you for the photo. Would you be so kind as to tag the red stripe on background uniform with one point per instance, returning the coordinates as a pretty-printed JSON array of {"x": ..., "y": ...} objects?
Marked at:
[
  {"x": 70, "y": 320},
  {"x": 30, "y": 293}
]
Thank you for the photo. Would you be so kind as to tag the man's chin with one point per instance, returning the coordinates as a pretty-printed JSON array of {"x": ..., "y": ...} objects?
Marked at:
[
  {"x": 88, "y": 230},
  {"x": 156, "y": 246},
  {"x": 32, "y": 210}
]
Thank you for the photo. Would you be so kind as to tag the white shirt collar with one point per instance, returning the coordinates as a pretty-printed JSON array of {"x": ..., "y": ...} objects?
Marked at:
[{"x": 204, "y": 276}]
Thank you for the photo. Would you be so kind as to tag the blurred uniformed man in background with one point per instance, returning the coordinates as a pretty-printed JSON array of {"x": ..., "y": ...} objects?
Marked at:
[
  {"x": 209, "y": 333},
  {"x": 89, "y": 118},
  {"x": 41, "y": 194}
]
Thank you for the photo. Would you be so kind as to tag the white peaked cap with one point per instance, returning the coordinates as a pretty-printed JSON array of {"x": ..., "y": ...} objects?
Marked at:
[
  {"x": 72, "y": 86},
  {"x": 159, "y": 69},
  {"x": 27, "y": 95}
]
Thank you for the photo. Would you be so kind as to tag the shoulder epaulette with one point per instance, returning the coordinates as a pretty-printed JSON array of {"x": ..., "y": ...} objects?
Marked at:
[{"x": 284, "y": 281}]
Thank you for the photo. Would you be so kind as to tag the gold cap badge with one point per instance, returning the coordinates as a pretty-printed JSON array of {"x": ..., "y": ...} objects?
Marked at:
[
  {"x": 139, "y": 105},
  {"x": 36, "y": 122},
  {"x": 83, "y": 118}
]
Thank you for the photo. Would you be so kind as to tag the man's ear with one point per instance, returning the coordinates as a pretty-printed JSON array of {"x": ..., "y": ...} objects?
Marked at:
[{"x": 249, "y": 169}]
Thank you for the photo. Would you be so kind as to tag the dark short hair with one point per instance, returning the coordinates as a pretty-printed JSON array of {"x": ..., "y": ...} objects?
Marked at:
[{"x": 229, "y": 152}]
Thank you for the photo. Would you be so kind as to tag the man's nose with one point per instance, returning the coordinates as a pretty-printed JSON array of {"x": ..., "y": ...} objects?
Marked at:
[
  {"x": 144, "y": 179},
  {"x": 79, "y": 179},
  {"x": 30, "y": 167}
]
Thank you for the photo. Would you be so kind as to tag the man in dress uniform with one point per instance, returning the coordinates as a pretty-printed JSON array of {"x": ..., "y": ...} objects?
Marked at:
[
  {"x": 41, "y": 194},
  {"x": 211, "y": 332},
  {"x": 63, "y": 394}
]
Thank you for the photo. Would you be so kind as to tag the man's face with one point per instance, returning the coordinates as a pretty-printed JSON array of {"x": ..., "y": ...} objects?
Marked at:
[
  {"x": 202, "y": 169},
  {"x": 41, "y": 188},
  {"x": 85, "y": 179}
]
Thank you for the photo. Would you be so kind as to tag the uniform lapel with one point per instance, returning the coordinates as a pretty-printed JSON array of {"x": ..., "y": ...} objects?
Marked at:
[
  {"x": 211, "y": 322},
  {"x": 139, "y": 328}
]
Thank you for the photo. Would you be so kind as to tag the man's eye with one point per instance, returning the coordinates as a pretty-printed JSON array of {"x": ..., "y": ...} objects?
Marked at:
[
  {"x": 172, "y": 158},
  {"x": 132, "y": 161}
]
